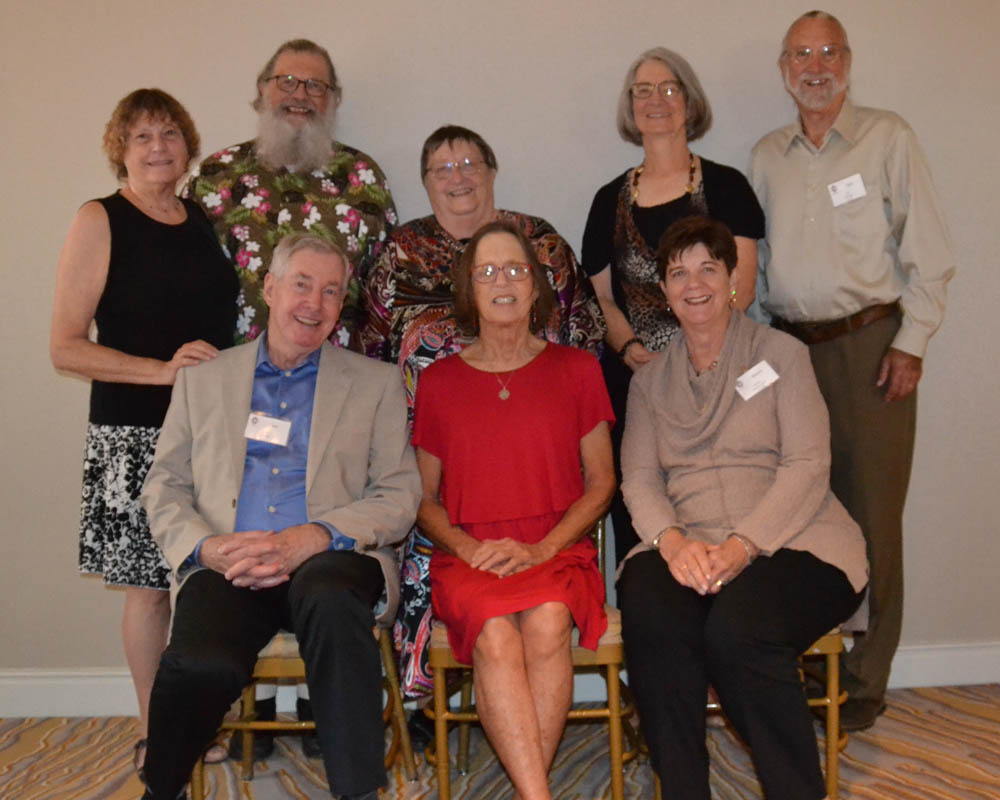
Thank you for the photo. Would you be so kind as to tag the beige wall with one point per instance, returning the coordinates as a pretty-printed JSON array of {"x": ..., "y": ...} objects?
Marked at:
[{"x": 539, "y": 79}]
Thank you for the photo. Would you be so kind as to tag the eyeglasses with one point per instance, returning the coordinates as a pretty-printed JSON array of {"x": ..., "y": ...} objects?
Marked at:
[
  {"x": 643, "y": 91},
  {"x": 828, "y": 54},
  {"x": 487, "y": 273},
  {"x": 466, "y": 167},
  {"x": 289, "y": 84}
]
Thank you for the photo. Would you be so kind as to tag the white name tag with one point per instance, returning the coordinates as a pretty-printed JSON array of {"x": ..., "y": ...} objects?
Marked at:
[
  {"x": 847, "y": 189},
  {"x": 755, "y": 379},
  {"x": 265, "y": 428}
]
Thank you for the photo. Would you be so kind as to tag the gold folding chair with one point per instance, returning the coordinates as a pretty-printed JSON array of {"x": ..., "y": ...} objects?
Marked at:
[
  {"x": 280, "y": 660},
  {"x": 829, "y": 646},
  {"x": 608, "y": 658}
]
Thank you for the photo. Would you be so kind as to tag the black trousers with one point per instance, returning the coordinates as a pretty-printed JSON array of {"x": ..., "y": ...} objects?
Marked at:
[
  {"x": 617, "y": 378},
  {"x": 744, "y": 641},
  {"x": 218, "y": 629}
]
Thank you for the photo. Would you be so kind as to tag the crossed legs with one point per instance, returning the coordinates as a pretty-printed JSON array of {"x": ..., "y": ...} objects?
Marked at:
[{"x": 523, "y": 676}]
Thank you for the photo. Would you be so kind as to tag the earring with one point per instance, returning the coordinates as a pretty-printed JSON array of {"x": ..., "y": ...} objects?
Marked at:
[{"x": 732, "y": 299}]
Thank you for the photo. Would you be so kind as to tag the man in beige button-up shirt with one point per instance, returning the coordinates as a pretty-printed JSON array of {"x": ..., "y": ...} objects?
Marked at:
[{"x": 855, "y": 263}]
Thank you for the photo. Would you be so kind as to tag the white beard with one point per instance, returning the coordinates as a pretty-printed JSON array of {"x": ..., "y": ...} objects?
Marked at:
[
  {"x": 819, "y": 98},
  {"x": 280, "y": 143}
]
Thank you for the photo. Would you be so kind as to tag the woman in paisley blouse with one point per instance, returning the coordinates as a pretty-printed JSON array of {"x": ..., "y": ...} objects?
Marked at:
[
  {"x": 662, "y": 108},
  {"x": 409, "y": 319}
]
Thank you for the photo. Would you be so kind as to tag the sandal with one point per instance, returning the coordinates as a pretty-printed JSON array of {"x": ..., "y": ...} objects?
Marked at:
[
  {"x": 217, "y": 752},
  {"x": 139, "y": 759}
]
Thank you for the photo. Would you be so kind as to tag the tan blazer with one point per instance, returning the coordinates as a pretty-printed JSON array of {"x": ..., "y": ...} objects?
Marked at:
[{"x": 361, "y": 474}]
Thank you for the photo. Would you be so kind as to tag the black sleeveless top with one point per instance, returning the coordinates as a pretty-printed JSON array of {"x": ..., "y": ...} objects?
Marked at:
[{"x": 167, "y": 285}]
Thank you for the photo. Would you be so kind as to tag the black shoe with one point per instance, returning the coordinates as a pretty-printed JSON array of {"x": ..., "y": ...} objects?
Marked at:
[
  {"x": 310, "y": 741},
  {"x": 421, "y": 729},
  {"x": 263, "y": 741},
  {"x": 859, "y": 714}
]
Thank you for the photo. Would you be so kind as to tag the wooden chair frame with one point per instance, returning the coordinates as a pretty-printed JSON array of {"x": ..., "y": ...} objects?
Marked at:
[
  {"x": 288, "y": 666},
  {"x": 608, "y": 658}
]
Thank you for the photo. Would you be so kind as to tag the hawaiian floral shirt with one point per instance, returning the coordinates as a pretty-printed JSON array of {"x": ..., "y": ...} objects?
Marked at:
[{"x": 253, "y": 207}]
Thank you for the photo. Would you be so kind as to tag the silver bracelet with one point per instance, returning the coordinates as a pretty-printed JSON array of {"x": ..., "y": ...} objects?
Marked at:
[{"x": 746, "y": 546}]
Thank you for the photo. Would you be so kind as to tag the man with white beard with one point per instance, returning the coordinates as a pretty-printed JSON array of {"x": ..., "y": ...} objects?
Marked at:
[
  {"x": 293, "y": 177},
  {"x": 855, "y": 264}
]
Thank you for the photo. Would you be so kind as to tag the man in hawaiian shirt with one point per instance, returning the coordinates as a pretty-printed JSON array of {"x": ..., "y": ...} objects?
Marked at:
[{"x": 294, "y": 176}]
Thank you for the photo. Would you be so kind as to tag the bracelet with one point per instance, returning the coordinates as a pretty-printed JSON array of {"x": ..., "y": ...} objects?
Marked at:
[
  {"x": 624, "y": 348},
  {"x": 658, "y": 537},
  {"x": 746, "y": 546}
]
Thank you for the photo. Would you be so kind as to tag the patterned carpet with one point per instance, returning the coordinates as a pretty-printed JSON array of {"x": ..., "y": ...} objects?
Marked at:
[{"x": 931, "y": 744}]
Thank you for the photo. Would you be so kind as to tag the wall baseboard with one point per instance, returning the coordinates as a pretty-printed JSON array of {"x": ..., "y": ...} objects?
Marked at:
[{"x": 95, "y": 692}]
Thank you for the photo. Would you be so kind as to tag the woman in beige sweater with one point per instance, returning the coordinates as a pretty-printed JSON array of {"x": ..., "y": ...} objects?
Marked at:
[{"x": 746, "y": 556}]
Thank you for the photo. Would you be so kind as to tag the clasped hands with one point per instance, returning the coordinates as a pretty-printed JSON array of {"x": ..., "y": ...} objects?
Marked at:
[
  {"x": 706, "y": 568},
  {"x": 262, "y": 559},
  {"x": 504, "y": 556}
]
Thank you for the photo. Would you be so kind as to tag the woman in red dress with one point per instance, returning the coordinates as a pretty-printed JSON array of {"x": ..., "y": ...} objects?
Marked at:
[{"x": 513, "y": 446}]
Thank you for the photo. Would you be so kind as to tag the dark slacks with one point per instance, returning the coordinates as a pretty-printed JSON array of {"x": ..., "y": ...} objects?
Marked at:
[
  {"x": 744, "y": 641},
  {"x": 618, "y": 377},
  {"x": 218, "y": 629},
  {"x": 871, "y": 444}
]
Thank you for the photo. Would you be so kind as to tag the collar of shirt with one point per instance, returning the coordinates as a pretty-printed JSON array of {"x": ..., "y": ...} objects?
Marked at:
[
  {"x": 264, "y": 365},
  {"x": 845, "y": 125}
]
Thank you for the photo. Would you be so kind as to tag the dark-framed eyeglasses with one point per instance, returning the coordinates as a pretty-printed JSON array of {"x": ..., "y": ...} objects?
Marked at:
[
  {"x": 644, "y": 90},
  {"x": 487, "y": 273},
  {"x": 467, "y": 167},
  {"x": 289, "y": 84},
  {"x": 828, "y": 54}
]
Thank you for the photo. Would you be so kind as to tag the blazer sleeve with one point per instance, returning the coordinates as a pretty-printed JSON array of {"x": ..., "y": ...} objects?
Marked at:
[
  {"x": 169, "y": 494},
  {"x": 387, "y": 507}
]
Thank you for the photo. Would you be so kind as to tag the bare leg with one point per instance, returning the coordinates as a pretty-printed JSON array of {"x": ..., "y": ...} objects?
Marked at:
[
  {"x": 506, "y": 706},
  {"x": 545, "y": 631},
  {"x": 145, "y": 623}
]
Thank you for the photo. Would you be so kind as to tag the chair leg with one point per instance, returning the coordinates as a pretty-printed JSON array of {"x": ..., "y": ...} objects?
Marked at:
[
  {"x": 465, "y": 727},
  {"x": 615, "y": 732},
  {"x": 657, "y": 789},
  {"x": 248, "y": 710},
  {"x": 401, "y": 732},
  {"x": 441, "y": 734},
  {"x": 833, "y": 726},
  {"x": 198, "y": 779}
]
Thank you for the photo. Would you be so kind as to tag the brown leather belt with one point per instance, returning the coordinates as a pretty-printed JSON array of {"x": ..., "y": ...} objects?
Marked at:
[{"x": 816, "y": 332}]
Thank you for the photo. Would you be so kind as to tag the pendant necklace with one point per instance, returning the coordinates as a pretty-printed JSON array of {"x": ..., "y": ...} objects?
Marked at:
[{"x": 504, "y": 392}]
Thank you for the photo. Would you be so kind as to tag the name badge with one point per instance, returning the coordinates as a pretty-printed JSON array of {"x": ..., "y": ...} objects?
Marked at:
[
  {"x": 755, "y": 379},
  {"x": 265, "y": 428},
  {"x": 847, "y": 189}
]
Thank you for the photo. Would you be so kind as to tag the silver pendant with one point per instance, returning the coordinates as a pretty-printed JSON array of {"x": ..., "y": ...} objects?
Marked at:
[{"x": 503, "y": 394}]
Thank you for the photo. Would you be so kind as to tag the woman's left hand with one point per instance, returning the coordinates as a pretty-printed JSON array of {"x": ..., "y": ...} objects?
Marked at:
[
  {"x": 507, "y": 556},
  {"x": 727, "y": 560}
]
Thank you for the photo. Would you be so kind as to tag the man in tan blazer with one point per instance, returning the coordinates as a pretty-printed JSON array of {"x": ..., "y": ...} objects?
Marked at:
[{"x": 282, "y": 478}]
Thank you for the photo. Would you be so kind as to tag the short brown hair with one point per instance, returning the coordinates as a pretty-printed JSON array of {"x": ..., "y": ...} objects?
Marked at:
[
  {"x": 156, "y": 104},
  {"x": 466, "y": 313},
  {"x": 449, "y": 134},
  {"x": 690, "y": 231}
]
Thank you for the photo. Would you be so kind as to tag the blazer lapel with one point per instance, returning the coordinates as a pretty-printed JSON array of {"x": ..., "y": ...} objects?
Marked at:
[
  {"x": 235, "y": 407},
  {"x": 332, "y": 385}
]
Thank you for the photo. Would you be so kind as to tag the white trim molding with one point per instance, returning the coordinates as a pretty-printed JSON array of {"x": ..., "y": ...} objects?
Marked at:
[{"x": 95, "y": 692}]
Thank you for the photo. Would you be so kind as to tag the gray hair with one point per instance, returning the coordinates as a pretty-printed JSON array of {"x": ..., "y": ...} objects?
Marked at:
[
  {"x": 698, "y": 112},
  {"x": 295, "y": 242},
  {"x": 815, "y": 14},
  {"x": 299, "y": 46}
]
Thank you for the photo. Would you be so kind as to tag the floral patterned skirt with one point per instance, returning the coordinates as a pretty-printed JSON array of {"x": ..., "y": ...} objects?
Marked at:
[{"x": 114, "y": 533}]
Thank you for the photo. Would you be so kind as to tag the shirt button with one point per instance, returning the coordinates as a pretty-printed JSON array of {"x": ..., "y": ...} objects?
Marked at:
[
  {"x": 272, "y": 509},
  {"x": 283, "y": 404},
  {"x": 274, "y": 470}
]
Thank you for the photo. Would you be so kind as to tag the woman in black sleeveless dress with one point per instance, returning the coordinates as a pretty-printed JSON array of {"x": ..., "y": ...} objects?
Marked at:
[{"x": 146, "y": 267}]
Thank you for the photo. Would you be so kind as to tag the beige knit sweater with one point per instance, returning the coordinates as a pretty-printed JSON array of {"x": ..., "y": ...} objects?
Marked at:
[{"x": 698, "y": 456}]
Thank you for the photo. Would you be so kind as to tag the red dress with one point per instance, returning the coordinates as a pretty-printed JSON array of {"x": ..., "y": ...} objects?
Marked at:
[{"x": 511, "y": 468}]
